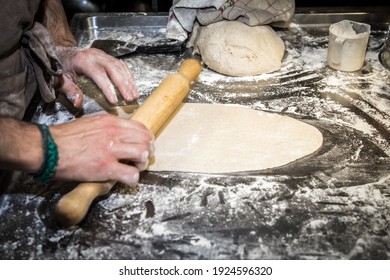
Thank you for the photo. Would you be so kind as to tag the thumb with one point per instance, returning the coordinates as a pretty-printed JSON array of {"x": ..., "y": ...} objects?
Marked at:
[{"x": 72, "y": 92}]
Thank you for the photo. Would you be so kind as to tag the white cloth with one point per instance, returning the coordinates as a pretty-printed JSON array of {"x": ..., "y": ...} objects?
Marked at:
[{"x": 185, "y": 13}]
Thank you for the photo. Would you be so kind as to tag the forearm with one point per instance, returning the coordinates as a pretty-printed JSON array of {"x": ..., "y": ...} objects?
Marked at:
[
  {"x": 53, "y": 17},
  {"x": 20, "y": 146}
]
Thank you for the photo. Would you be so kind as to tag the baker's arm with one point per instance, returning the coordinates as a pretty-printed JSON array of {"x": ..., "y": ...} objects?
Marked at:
[
  {"x": 20, "y": 146},
  {"x": 53, "y": 17},
  {"x": 106, "y": 71},
  {"x": 89, "y": 149}
]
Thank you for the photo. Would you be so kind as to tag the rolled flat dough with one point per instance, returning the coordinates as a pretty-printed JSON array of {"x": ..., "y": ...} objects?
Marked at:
[
  {"x": 236, "y": 49},
  {"x": 211, "y": 138}
]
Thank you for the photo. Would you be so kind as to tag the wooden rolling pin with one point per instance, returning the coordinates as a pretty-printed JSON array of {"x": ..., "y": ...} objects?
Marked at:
[{"x": 153, "y": 113}]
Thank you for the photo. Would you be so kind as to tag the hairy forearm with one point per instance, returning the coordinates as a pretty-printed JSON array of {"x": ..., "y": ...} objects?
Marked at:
[
  {"x": 53, "y": 17},
  {"x": 20, "y": 146}
]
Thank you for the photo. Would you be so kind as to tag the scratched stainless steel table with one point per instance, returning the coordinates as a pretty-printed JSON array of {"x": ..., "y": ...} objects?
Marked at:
[{"x": 332, "y": 205}]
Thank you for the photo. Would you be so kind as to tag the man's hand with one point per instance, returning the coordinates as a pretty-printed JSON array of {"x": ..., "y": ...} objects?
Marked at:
[
  {"x": 94, "y": 148},
  {"x": 106, "y": 71}
]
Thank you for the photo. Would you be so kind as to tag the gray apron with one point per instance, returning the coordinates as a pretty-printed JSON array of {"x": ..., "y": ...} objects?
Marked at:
[{"x": 34, "y": 65}]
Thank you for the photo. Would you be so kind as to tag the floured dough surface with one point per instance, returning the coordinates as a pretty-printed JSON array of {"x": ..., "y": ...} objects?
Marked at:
[
  {"x": 211, "y": 138},
  {"x": 236, "y": 49}
]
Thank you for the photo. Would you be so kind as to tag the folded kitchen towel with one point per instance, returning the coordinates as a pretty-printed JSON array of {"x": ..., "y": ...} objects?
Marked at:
[{"x": 185, "y": 13}]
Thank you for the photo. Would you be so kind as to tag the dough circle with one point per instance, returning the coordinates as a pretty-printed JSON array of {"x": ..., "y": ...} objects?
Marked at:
[
  {"x": 211, "y": 138},
  {"x": 236, "y": 49},
  {"x": 216, "y": 139}
]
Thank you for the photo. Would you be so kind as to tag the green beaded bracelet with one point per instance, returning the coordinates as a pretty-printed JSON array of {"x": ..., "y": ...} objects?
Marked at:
[{"x": 48, "y": 168}]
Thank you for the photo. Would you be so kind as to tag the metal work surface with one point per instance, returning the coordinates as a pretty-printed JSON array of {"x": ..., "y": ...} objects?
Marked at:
[{"x": 332, "y": 205}]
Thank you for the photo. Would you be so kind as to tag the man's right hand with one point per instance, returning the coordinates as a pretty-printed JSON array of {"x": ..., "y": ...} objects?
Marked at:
[{"x": 94, "y": 149}]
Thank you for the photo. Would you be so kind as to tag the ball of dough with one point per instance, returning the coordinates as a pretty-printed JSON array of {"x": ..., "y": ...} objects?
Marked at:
[{"x": 236, "y": 49}]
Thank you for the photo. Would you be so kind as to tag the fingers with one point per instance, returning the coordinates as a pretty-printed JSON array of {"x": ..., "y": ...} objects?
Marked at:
[
  {"x": 72, "y": 92},
  {"x": 122, "y": 77},
  {"x": 108, "y": 73},
  {"x": 138, "y": 148},
  {"x": 127, "y": 139},
  {"x": 104, "y": 83},
  {"x": 126, "y": 174},
  {"x": 136, "y": 153},
  {"x": 75, "y": 96}
]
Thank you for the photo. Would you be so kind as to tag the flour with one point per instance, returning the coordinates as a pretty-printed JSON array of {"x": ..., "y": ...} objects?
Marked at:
[
  {"x": 302, "y": 211},
  {"x": 113, "y": 91},
  {"x": 315, "y": 58},
  {"x": 4, "y": 205},
  {"x": 136, "y": 36},
  {"x": 349, "y": 30}
]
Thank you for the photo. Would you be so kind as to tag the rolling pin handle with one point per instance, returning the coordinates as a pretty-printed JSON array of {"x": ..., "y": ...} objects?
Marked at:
[
  {"x": 190, "y": 69},
  {"x": 73, "y": 206}
]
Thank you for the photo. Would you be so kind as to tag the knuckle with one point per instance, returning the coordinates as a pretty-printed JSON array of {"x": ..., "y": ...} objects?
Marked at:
[
  {"x": 107, "y": 120},
  {"x": 135, "y": 153},
  {"x": 80, "y": 55},
  {"x": 99, "y": 72},
  {"x": 102, "y": 166},
  {"x": 93, "y": 51}
]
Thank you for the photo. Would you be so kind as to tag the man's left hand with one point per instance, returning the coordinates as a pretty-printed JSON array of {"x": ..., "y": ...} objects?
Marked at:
[{"x": 106, "y": 71}]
